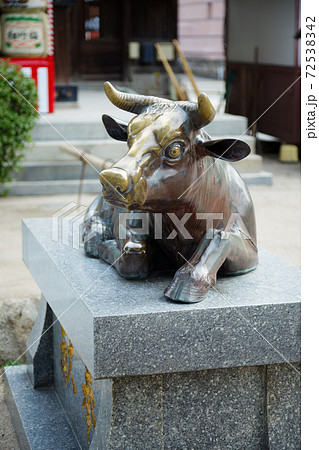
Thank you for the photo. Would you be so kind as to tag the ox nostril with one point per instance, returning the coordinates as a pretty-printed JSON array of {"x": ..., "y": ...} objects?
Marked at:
[{"x": 115, "y": 178}]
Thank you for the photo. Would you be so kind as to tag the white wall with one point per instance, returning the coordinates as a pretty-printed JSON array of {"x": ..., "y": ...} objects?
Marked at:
[{"x": 267, "y": 24}]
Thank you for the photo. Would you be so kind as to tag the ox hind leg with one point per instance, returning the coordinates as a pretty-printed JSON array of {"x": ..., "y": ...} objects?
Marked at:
[{"x": 232, "y": 252}]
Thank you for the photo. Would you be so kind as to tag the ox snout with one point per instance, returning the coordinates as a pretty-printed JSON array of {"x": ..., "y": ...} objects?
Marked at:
[
  {"x": 115, "y": 179},
  {"x": 119, "y": 189}
]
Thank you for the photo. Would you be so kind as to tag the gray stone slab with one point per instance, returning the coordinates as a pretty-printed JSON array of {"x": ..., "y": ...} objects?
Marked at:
[
  {"x": 137, "y": 414},
  {"x": 56, "y": 288},
  {"x": 39, "y": 421},
  {"x": 122, "y": 327},
  {"x": 283, "y": 406},
  {"x": 71, "y": 394},
  {"x": 215, "y": 409},
  {"x": 39, "y": 348}
]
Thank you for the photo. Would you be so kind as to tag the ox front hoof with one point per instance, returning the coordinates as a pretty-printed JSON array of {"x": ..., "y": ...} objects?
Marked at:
[
  {"x": 190, "y": 284},
  {"x": 186, "y": 292}
]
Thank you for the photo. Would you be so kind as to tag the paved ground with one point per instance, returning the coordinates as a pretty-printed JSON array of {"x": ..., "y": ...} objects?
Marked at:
[{"x": 278, "y": 220}]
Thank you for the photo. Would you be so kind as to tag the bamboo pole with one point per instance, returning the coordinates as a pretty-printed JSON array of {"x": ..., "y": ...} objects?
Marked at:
[
  {"x": 187, "y": 69},
  {"x": 179, "y": 92},
  {"x": 98, "y": 163}
]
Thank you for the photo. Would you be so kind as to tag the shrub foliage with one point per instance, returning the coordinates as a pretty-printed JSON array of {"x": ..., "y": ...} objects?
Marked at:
[{"x": 17, "y": 118}]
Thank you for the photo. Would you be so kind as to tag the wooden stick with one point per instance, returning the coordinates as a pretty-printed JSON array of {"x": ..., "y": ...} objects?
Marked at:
[
  {"x": 187, "y": 69},
  {"x": 170, "y": 73},
  {"x": 87, "y": 158}
]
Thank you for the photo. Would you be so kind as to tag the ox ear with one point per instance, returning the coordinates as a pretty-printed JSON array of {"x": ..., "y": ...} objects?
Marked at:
[
  {"x": 227, "y": 149},
  {"x": 115, "y": 128}
]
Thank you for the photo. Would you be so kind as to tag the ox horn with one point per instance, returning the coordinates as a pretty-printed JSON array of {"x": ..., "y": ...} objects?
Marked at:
[
  {"x": 206, "y": 110},
  {"x": 131, "y": 102},
  {"x": 201, "y": 113}
]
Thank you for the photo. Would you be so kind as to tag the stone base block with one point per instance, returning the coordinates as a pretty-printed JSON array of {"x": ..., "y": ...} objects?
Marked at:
[
  {"x": 248, "y": 408},
  {"x": 114, "y": 365}
]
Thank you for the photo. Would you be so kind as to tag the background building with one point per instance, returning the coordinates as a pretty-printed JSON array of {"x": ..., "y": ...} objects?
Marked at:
[
  {"x": 201, "y": 33},
  {"x": 92, "y": 37},
  {"x": 263, "y": 60}
]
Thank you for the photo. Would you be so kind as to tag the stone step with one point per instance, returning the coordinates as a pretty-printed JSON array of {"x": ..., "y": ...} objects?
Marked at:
[
  {"x": 214, "y": 89},
  {"x": 62, "y": 170},
  {"x": 93, "y": 186},
  {"x": 228, "y": 125},
  {"x": 251, "y": 164},
  {"x": 53, "y": 187},
  {"x": 50, "y": 150},
  {"x": 223, "y": 124},
  {"x": 69, "y": 130},
  {"x": 33, "y": 410},
  {"x": 72, "y": 170},
  {"x": 104, "y": 148}
]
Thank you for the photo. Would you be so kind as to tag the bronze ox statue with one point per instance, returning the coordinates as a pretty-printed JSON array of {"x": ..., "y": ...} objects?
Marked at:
[{"x": 174, "y": 168}]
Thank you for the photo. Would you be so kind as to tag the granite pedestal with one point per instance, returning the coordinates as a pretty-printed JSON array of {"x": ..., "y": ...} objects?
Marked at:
[{"x": 121, "y": 367}]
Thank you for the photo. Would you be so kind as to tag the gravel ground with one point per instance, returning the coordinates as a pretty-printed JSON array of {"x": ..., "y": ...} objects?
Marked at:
[{"x": 278, "y": 221}]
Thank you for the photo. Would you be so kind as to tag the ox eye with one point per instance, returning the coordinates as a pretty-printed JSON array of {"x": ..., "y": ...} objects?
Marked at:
[{"x": 174, "y": 150}]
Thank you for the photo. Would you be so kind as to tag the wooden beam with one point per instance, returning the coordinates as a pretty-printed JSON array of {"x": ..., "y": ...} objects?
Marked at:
[
  {"x": 170, "y": 73},
  {"x": 187, "y": 69},
  {"x": 99, "y": 163}
]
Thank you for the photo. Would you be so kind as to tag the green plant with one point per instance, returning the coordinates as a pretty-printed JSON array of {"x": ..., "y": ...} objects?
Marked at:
[
  {"x": 17, "y": 118},
  {"x": 11, "y": 363}
]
